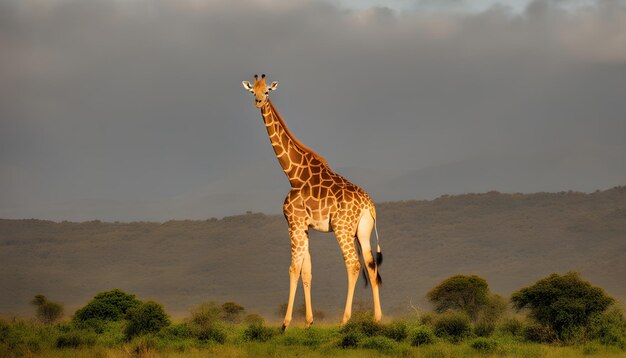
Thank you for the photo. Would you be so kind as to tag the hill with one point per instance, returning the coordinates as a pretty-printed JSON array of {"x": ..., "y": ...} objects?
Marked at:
[{"x": 510, "y": 239}]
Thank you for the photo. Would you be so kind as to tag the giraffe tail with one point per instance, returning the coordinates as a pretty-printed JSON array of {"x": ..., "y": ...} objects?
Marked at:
[{"x": 379, "y": 254}]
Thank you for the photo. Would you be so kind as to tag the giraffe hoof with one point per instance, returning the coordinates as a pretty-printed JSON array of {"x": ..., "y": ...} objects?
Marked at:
[
  {"x": 283, "y": 328},
  {"x": 308, "y": 325}
]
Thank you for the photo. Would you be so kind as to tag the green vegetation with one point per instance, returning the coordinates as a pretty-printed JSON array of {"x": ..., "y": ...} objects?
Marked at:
[
  {"x": 466, "y": 293},
  {"x": 147, "y": 317},
  {"x": 47, "y": 312},
  {"x": 563, "y": 305},
  {"x": 106, "y": 307}
]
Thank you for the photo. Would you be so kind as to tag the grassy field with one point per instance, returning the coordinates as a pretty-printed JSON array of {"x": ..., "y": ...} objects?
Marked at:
[{"x": 30, "y": 339}]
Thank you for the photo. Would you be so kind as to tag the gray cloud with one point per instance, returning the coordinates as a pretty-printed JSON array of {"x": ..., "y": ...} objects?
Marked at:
[{"x": 125, "y": 111}]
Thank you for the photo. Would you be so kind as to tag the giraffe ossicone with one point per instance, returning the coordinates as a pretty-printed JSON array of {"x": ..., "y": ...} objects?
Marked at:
[{"x": 324, "y": 201}]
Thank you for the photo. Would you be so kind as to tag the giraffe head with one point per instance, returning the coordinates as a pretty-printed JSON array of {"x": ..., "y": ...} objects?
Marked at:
[{"x": 260, "y": 90}]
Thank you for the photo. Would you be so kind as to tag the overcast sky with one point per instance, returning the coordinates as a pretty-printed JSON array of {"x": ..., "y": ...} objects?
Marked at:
[{"x": 134, "y": 110}]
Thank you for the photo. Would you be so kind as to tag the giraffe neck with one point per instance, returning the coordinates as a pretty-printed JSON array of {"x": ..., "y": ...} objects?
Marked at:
[{"x": 294, "y": 157}]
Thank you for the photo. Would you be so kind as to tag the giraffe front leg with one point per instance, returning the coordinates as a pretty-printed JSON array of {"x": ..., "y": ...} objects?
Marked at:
[
  {"x": 307, "y": 277},
  {"x": 299, "y": 245},
  {"x": 353, "y": 267}
]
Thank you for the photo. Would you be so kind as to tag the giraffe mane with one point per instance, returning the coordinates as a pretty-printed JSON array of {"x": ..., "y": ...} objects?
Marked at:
[{"x": 295, "y": 140}]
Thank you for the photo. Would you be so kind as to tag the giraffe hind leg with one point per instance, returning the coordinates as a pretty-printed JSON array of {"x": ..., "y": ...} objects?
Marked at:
[
  {"x": 359, "y": 251},
  {"x": 364, "y": 231}
]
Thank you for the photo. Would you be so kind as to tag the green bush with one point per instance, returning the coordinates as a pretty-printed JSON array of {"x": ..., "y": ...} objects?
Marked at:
[
  {"x": 258, "y": 332},
  {"x": 466, "y": 293},
  {"x": 381, "y": 344},
  {"x": 206, "y": 313},
  {"x": 363, "y": 323},
  {"x": 254, "y": 318},
  {"x": 396, "y": 330},
  {"x": 148, "y": 317},
  {"x": 539, "y": 333},
  {"x": 512, "y": 326},
  {"x": 75, "y": 339},
  {"x": 107, "y": 306},
  {"x": 609, "y": 328},
  {"x": 485, "y": 345},
  {"x": 453, "y": 326},
  {"x": 422, "y": 335},
  {"x": 47, "y": 312},
  {"x": 231, "y": 312},
  {"x": 562, "y": 303},
  {"x": 484, "y": 328},
  {"x": 214, "y": 332},
  {"x": 350, "y": 340},
  {"x": 180, "y": 330}
]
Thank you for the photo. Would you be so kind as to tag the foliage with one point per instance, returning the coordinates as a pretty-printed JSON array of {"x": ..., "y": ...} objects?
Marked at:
[
  {"x": 206, "y": 313},
  {"x": 214, "y": 332},
  {"x": 363, "y": 323},
  {"x": 422, "y": 335},
  {"x": 381, "y": 344},
  {"x": 147, "y": 317},
  {"x": 107, "y": 306},
  {"x": 205, "y": 323},
  {"x": 562, "y": 303},
  {"x": 396, "y": 330},
  {"x": 453, "y": 326},
  {"x": 47, "y": 312},
  {"x": 512, "y": 326},
  {"x": 484, "y": 328},
  {"x": 254, "y": 318},
  {"x": 539, "y": 333},
  {"x": 258, "y": 332},
  {"x": 232, "y": 312},
  {"x": 485, "y": 345},
  {"x": 609, "y": 327},
  {"x": 350, "y": 340},
  {"x": 75, "y": 339},
  {"x": 466, "y": 293}
]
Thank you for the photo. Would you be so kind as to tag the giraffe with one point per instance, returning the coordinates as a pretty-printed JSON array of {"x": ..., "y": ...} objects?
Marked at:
[{"x": 324, "y": 201}]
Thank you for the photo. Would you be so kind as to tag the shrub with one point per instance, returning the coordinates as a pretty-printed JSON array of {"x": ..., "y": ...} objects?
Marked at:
[
  {"x": 381, "y": 344},
  {"x": 484, "y": 328},
  {"x": 47, "y": 312},
  {"x": 231, "y": 312},
  {"x": 254, "y": 318},
  {"x": 107, "y": 306},
  {"x": 539, "y": 333},
  {"x": 350, "y": 340},
  {"x": 258, "y": 332},
  {"x": 422, "y": 335},
  {"x": 75, "y": 339},
  {"x": 206, "y": 313},
  {"x": 363, "y": 323},
  {"x": 210, "y": 332},
  {"x": 396, "y": 330},
  {"x": 609, "y": 328},
  {"x": 562, "y": 303},
  {"x": 466, "y": 293},
  {"x": 454, "y": 326},
  {"x": 485, "y": 345},
  {"x": 180, "y": 330},
  {"x": 148, "y": 317},
  {"x": 512, "y": 326}
]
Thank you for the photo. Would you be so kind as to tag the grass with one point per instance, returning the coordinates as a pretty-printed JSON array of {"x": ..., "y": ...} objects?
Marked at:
[{"x": 30, "y": 339}]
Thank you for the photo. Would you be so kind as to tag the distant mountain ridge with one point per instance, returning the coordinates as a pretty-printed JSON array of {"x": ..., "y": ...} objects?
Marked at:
[{"x": 510, "y": 239}]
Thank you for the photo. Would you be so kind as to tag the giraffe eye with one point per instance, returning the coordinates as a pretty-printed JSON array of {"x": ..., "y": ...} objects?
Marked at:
[{"x": 268, "y": 92}]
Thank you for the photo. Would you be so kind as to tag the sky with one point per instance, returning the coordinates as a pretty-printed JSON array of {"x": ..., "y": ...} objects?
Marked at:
[{"x": 134, "y": 110}]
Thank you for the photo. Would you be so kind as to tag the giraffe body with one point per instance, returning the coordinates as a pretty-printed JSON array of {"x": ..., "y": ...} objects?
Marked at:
[{"x": 322, "y": 200}]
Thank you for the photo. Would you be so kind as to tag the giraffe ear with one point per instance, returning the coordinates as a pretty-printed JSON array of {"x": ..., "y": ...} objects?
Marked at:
[
  {"x": 273, "y": 86},
  {"x": 247, "y": 86}
]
